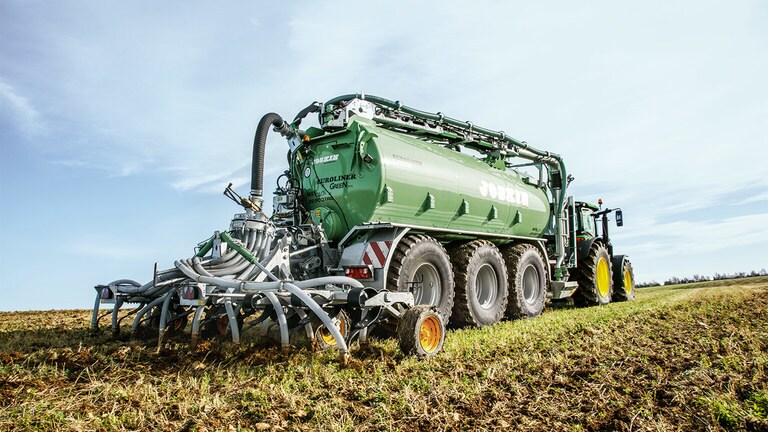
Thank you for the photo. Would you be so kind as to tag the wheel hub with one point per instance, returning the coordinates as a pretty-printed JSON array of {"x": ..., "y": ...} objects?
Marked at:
[
  {"x": 628, "y": 281},
  {"x": 603, "y": 278},
  {"x": 430, "y": 334},
  {"x": 486, "y": 286},
  {"x": 531, "y": 284},
  {"x": 426, "y": 285}
]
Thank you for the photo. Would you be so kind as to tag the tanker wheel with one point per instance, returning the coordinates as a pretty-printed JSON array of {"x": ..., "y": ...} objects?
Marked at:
[
  {"x": 527, "y": 281},
  {"x": 421, "y": 331},
  {"x": 421, "y": 265},
  {"x": 594, "y": 275},
  {"x": 623, "y": 281},
  {"x": 480, "y": 284},
  {"x": 323, "y": 337}
]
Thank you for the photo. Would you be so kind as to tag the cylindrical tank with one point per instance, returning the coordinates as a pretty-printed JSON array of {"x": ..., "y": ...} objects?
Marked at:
[{"x": 365, "y": 173}]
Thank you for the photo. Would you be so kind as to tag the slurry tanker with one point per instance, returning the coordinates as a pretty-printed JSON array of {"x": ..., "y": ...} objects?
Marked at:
[{"x": 387, "y": 218}]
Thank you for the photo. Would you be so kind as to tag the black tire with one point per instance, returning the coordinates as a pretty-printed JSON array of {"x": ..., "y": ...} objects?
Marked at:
[
  {"x": 218, "y": 327},
  {"x": 527, "y": 281},
  {"x": 623, "y": 280},
  {"x": 417, "y": 258},
  {"x": 324, "y": 339},
  {"x": 421, "y": 331},
  {"x": 480, "y": 284},
  {"x": 594, "y": 275}
]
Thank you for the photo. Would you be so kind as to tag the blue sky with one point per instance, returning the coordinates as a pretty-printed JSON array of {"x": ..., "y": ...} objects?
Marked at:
[{"x": 122, "y": 122}]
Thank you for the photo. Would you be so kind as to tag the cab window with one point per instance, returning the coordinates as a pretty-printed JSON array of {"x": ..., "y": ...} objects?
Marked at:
[{"x": 586, "y": 222}]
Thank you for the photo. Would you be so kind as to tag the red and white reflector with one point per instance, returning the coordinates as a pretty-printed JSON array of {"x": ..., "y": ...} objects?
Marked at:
[
  {"x": 106, "y": 293},
  {"x": 358, "y": 272},
  {"x": 189, "y": 293},
  {"x": 376, "y": 253}
]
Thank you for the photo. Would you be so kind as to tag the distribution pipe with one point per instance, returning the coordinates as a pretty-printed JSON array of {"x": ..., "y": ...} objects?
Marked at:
[{"x": 259, "y": 145}]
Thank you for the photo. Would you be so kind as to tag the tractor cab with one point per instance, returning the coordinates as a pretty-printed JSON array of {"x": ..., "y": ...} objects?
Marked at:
[
  {"x": 587, "y": 216},
  {"x": 586, "y": 222}
]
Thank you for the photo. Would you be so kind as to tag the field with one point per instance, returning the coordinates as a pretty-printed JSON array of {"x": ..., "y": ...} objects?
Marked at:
[{"x": 688, "y": 357}]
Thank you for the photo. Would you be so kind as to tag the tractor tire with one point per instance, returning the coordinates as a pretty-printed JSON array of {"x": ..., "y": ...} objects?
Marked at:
[
  {"x": 420, "y": 265},
  {"x": 480, "y": 284},
  {"x": 527, "y": 281},
  {"x": 594, "y": 275},
  {"x": 421, "y": 331},
  {"x": 623, "y": 281}
]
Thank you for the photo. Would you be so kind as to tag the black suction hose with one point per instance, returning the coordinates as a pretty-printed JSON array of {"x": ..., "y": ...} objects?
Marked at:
[{"x": 259, "y": 145}]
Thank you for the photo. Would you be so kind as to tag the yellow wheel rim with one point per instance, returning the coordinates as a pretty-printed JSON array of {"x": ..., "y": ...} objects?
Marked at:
[
  {"x": 603, "y": 278},
  {"x": 430, "y": 334},
  {"x": 628, "y": 285},
  {"x": 326, "y": 335}
]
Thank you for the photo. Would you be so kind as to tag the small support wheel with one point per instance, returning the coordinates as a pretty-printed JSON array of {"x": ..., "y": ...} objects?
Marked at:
[
  {"x": 323, "y": 337},
  {"x": 215, "y": 323},
  {"x": 421, "y": 331}
]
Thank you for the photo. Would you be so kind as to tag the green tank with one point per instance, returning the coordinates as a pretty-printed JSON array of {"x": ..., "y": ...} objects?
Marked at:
[{"x": 367, "y": 174}]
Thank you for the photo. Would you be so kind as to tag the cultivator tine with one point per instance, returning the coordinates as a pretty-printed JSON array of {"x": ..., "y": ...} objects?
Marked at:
[
  {"x": 139, "y": 317},
  {"x": 341, "y": 343},
  {"x": 163, "y": 319},
  {"x": 281, "y": 320},
  {"x": 196, "y": 325},
  {"x": 115, "y": 312},
  {"x": 233, "y": 325},
  {"x": 95, "y": 316}
]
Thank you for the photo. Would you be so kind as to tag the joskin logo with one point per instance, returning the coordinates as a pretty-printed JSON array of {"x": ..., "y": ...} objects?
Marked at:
[
  {"x": 502, "y": 193},
  {"x": 326, "y": 159}
]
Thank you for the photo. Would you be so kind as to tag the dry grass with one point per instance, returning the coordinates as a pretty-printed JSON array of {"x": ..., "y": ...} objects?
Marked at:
[{"x": 691, "y": 357}]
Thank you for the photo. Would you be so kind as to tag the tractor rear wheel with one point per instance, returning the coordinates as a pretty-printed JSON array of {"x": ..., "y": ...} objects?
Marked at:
[
  {"x": 480, "y": 284},
  {"x": 527, "y": 281},
  {"x": 595, "y": 278},
  {"x": 421, "y": 331},
  {"x": 623, "y": 281},
  {"x": 420, "y": 265}
]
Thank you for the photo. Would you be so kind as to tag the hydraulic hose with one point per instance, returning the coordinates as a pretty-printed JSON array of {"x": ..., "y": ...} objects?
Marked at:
[{"x": 259, "y": 146}]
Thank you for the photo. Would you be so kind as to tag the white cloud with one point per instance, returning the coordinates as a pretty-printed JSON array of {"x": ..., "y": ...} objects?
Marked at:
[
  {"x": 27, "y": 118},
  {"x": 695, "y": 237},
  {"x": 754, "y": 199}
]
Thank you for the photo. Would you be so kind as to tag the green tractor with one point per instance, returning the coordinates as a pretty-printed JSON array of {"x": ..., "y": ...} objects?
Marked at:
[{"x": 601, "y": 275}]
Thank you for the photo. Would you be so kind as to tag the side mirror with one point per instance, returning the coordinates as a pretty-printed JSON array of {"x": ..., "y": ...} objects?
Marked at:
[{"x": 619, "y": 218}]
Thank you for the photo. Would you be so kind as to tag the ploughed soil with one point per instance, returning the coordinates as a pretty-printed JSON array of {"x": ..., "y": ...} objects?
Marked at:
[{"x": 687, "y": 357}]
